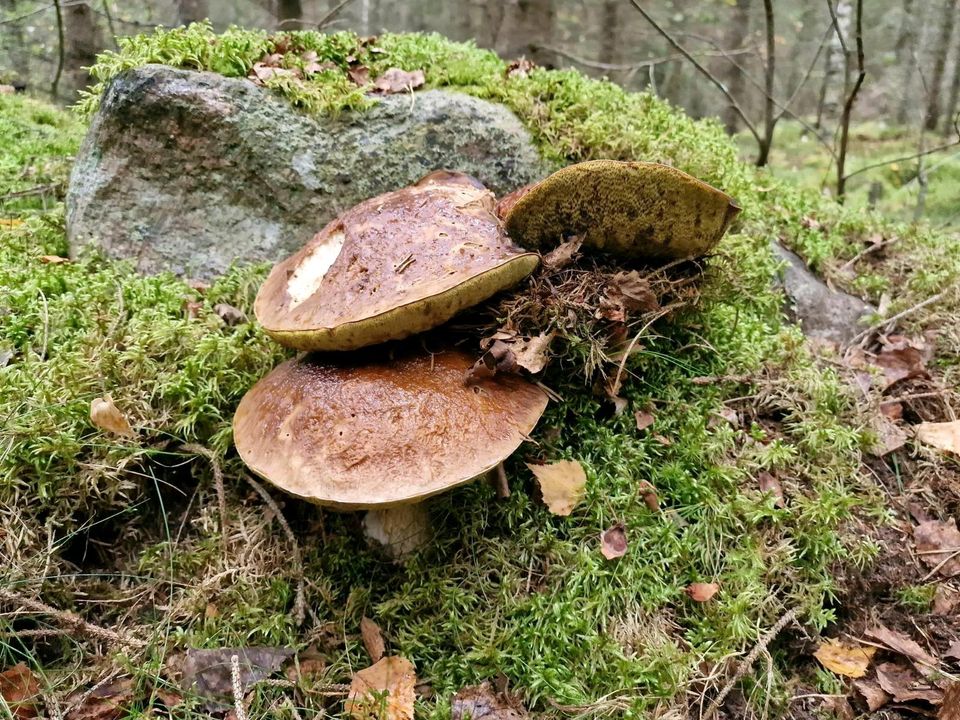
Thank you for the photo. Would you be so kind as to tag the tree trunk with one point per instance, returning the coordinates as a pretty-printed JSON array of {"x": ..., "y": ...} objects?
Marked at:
[
  {"x": 905, "y": 58},
  {"x": 932, "y": 118},
  {"x": 609, "y": 32},
  {"x": 190, "y": 11},
  {"x": 833, "y": 90},
  {"x": 529, "y": 26},
  {"x": 951, "y": 109},
  {"x": 82, "y": 38},
  {"x": 289, "y": 14},
  {"x": 769, "y": 75},
  {"x": 736, "y": 37}
]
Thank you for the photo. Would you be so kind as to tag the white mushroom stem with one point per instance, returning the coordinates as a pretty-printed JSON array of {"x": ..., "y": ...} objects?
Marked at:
[{"x": 401, "y": 530}]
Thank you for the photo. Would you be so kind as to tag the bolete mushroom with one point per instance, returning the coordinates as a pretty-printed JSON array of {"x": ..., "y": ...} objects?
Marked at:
[
  {"x": 635, "y": 210},
  {"x": 393, "y": 266},
  {"x": 366, "y": 431}
]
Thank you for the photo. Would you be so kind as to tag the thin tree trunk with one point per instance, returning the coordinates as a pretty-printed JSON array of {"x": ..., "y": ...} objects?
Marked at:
[
  {"x": 289, "y": 14},
  {"x": 850, "y": 99},
  {"x": 932, "y": 118},
  {"x": 834, "y": 88},
  {"x": 609, "y": 32},
  {"x": 954, "y": 97},
  {"x": 905, "y": 58},
  {"x": 769, "y": 122},
  {"x": 61, "y": 51},
  {"x": 82, "y": 44},
  {"x": 191, "y": 11},
  {"x": 739, "y": 29}
]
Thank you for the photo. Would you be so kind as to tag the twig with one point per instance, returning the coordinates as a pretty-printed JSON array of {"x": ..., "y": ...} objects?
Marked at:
[
  {"x": 940, "y": 564},
  {"x": 914, "y": 156},
  {"x": 807, "y": 74},
  {"x": 299, "y": 603},
  {"x": 238, "y": 708},
  {"x": 38, "y": 190},
  {"x": 218, "y": 486},
  {"x": 706, "y": 73},
  {"x": 902, "y": 314},
  {"x": 748, "y": 661},
  {"x": 332, "y": 14},
  {"x": 70, "y": 620},
  {"x": 596, "y": 65}
]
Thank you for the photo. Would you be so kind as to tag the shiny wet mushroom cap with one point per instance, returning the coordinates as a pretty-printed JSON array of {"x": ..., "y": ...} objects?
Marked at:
[
  {"x": 635, "y": 210},
  {"x": 364, "y": 431},
  {"x": 393, "y": 266}
]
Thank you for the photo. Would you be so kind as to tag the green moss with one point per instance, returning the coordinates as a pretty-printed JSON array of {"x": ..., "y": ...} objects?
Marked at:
[{"x": 505, "y": 587}]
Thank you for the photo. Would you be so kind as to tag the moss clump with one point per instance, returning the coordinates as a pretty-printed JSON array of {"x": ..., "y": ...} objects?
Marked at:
[{"x": 505, "y": 587}]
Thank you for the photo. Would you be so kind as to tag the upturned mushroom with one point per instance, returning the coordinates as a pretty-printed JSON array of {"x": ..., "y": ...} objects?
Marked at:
[
  {"x": 635, "y": 210},
  {"x": 364, "y": 431},
  {"x": 395, "y": 265}
]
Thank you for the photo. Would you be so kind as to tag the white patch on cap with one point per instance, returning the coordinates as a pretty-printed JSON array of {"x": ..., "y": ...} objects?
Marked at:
[{"x": 308, "y": 276}]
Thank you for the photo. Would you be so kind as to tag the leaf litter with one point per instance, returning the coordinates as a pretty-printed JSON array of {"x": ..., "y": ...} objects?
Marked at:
[
  {"x": 383, "y": 691},
  {"x": 562, "y": 485}
]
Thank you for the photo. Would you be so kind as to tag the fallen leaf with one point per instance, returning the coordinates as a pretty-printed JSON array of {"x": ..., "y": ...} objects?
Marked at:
[
  {"x": 199, "y": 285},
  {"x": 520, "y": 68},
  {"x": 613, "y": 542},
  {"x": 480, "y": 702},
  {"x": 260, "y": 73},
  {"x": 644, "y": 419},
  {"x": 663, "y": 440},
  {"x": 651, "y": 500},
  {"x": 874, "y": 697},
  {"x": 209, "y": 673},
  {"x": 810, "y": 224},
  {"x": 900, "y": 643},
  {"x": 229, "y": 314},
  {"x": 950, "y": 709},
  {"x": 383, "y": 691},
  {"x": 901, "y": 359},
  {"x": 938, "y": 545},
  {"x": 633, "y": 290},
  {"x": 308, "y": 665},
  {"x": 53, "y": 259},
  {"x": 111, "y": 701},
  {"x": 562, "y": 485},
  {"x": 360, "y": 75},
  {"x": 847, "y": 660},
  {"x": 193, "y": 309},
  {"x": 531, "y": 352},
  {"x": 890, "y": 436},
  {"x": 20, "y": 692},
  {"x": 563, "y": 254},
  {"x": 702, "y": 592},
  {"x": 945, "y": 600},
  {"x": 892, "y": 410},
  {"x": 900, "y": 682},
  {"x": 943, "y": 436},
  {"x": 953, "y": 652},
  {"x": 620, "y": 404},
  {"x": 769, "y": 484},
  {"x": 730, "y": 415},
  {"x": 105, "y": 415},
  {"x": 396, "y": 80},
  {"x": 372, "y": 639}
]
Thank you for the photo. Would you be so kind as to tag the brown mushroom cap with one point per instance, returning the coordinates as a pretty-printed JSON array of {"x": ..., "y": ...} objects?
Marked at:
[
  {"x": 371, "y": 432},
  {"x": 635, "y": 210},
  {"x": 395, "y": 265}
]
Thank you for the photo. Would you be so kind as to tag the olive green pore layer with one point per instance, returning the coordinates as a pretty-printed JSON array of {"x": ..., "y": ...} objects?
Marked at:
[
  {"x": 414, "y": 317},
  {"x": 635, "y": 210}
]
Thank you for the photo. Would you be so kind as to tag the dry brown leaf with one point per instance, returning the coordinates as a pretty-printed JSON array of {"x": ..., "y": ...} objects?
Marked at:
[
  {"x": 229, "y": 314},
  {"x": 105, "y": 415},
  {"x": 531, "y": 353},
  {"x": 900, "y": 359},
  {"x": 20, "y": 692},
  {"x": 950, "y": 709},
  {"x": 372, "y": 639},
  {"x": 847, "y": 660},
  {"x": 874, "y": 697},
  {"x": 702, "y": 592},
  {"x": 261, "y": 72},
  {"x": 945, "y": 600},
  {"x": 651, "y": 499},
  {"x": 953, "y": 652},
  {"x": 562, "y": 485},
  {"x": 396, "y": 80},
  {"x": 208, "y": 674},
  {"x": 563, "y": 254},
  {"x": 892, "y": 410},
  {"x": 520, "y": 68},
  {"x": 900, "y": 643},
  {"x": 613, "y": 542},
  {"x": 904, "y": 685},
  {"x": 106, "y": 702},
  {"x": 890, "y": 436},
  {"x": 644, "y": 419},
  {"x": 360, "y": 75},
  {"x": 384, "y": 691},
  {"x": 938, "y": 545},
  {"x": 53, "y": 259},
  {"x": 480, "y": 702},
  {"x": 769, "y": 484},
  {"x": 943, "y": 436}
]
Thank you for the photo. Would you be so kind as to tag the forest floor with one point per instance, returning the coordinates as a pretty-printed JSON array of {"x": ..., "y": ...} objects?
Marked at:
[{"x": 789, "y": 507}]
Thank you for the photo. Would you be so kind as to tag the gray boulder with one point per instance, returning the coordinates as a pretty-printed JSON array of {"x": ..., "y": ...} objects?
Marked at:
[
  {"x": 188, "y": 171},
  {"x": 821, "y": 311}
]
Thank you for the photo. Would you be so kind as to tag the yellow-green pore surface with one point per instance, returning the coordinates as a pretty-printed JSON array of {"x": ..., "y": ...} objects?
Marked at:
[
  {"x": 505, "y": 588},
  {"x": 393, "y": 266},
  {"x": 635, "y": 210}
]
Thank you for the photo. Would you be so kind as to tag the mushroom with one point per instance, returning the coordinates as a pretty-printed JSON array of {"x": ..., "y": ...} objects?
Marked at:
[
  {"x": 636, "y": 210},
  {"x": 393, "y": 266},
  {"x": 364, "y": 431}
]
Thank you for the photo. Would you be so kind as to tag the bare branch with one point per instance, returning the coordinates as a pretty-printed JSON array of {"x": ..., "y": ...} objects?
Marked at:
[
  {"x": 706, "y": 73},
  {"x": 54, "y": 86},
  {"x": 848, "y": 105},
  {"x": 769, "y": 71},
  {"x": 836, "y": 27},
  {"x": 914, "y": 156},
  {"x": 808, "y": 73},
  {"x": 332, "y": 14},
  {"x": 639, "y": 65}
]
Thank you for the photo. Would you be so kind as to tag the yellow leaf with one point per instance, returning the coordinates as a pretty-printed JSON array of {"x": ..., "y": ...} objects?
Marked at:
[
  {"x": 562, "y": 485},
  {"x": 105, "y": 415},
  {"x": 384, "y": 691},
  {"x": 847, "y": 660},
  {"x": 943, "y": 436},
  {"x": 10, "y": 223}
]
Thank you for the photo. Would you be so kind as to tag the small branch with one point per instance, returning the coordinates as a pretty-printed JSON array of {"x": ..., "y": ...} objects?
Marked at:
[
  {"x": 808, "y": 73},
  {"x": 914, "y": 156},
  {"x": 851, "y": 97},
  {"x": 332, "y": 14},
  {"x": 38, "y": 190},
  {"x": 596, "y": 65},
  {"x": 899, "y": 316},
  {"x": 706, "y": 73}
]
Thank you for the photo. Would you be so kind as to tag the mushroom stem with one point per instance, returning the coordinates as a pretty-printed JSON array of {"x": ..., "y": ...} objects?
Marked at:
[{"x": 400, "y": 530}]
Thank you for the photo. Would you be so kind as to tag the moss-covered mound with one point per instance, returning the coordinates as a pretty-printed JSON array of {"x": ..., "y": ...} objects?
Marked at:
[{"x": 133, "y": 526}]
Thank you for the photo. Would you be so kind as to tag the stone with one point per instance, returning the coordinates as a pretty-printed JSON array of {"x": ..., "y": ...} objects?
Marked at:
[
  {"x": 822, "y": 312},
  {"x": 189, "y": 171}
]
